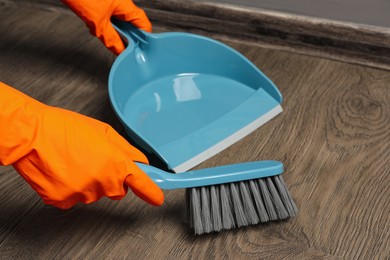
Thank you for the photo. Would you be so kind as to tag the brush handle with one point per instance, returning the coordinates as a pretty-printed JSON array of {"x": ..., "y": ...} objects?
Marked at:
[{"x": 212, "y": 176}]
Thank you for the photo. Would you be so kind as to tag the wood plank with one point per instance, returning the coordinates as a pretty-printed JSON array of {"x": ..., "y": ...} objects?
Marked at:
[{"x": 333, "y": 138}]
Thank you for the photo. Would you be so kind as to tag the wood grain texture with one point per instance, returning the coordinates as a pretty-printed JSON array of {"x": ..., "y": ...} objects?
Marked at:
[{"x": 333, "y": 137}]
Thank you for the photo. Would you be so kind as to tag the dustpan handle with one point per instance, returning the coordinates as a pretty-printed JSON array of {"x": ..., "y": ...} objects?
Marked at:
[{"x": 132, "y": 34}]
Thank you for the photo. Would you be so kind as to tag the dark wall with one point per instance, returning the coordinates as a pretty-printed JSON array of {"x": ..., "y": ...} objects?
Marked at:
[{"x": 370, "y": 12}]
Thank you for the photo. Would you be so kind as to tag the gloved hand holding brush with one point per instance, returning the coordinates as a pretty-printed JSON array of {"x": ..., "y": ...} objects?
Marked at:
[
  {"x": 67, "y": 157},
  {"x": 96, "y": 14}
]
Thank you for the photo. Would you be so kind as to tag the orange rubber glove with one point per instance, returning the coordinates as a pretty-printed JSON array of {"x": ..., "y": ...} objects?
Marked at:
[
  {"x": 67, "y": 157},
  {"x": 97, "y": 13}
]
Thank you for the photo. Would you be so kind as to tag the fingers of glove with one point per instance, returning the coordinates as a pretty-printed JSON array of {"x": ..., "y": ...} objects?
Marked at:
[
  {"x": 128, "y": 11},
  {"x": 144, "y": 187},
  {"x": 53, "y": 189},
  {"x": 97, "y": 18},
  {"x": 110, "y": 37}
]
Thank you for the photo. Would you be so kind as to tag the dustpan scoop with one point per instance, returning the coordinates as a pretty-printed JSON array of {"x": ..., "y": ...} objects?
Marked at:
[{"x": 187, "y": 97}]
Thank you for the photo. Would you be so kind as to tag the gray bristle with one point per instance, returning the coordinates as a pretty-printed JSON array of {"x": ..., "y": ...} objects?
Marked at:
[
  {"x": 286, "y": 196},
  {"x": 227, "y": 211},
  {"x": 238, "y": 206},
  {"x": 225, "y": 206},
  {"x": 279, "y": 207},
  {"x": 206, "y": 212},
  {"x": 215, "y": 208},
  {"x": 269, "y": 206},
  {"x": 196, "y": 211},
  {"x": 259, "y": 201},
  {"x": 247, "y": 199}
]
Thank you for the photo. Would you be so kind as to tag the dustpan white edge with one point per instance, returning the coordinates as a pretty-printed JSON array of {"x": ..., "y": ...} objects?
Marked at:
[{"x": 213, "y": 150}]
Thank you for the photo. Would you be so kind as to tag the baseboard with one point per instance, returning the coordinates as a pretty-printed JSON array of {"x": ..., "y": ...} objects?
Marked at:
[
  {"x": 355, "y": 43},
  {"x": 347, "y": 42}
]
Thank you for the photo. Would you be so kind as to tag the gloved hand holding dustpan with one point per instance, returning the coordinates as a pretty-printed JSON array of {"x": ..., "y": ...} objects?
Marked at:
[{"x": 97, "y": 14}]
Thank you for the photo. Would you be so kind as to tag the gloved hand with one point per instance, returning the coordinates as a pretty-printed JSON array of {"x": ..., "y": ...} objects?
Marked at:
[
  {"x": 97, "y": 13},
  {"x": 67, "y": 157}
]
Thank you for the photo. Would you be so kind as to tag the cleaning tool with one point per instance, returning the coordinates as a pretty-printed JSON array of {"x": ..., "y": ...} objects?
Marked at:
[
  {"x": 67, "y": 157},
  {"x": 185, "y": 97},
  {"x": 230, "y": 196}
]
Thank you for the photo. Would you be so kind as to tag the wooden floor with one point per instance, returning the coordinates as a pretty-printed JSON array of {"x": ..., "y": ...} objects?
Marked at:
[{"x": 333, "y": 137}]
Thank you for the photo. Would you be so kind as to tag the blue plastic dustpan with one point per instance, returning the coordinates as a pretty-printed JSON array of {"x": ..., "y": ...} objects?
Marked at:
[{"x": 187, "y": 97}]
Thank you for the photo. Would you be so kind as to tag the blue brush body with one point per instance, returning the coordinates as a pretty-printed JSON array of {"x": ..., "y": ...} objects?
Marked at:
[{"x": 212, "y": 176}]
